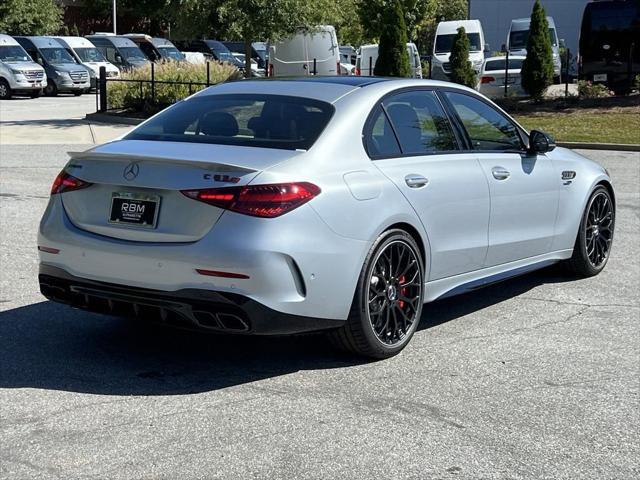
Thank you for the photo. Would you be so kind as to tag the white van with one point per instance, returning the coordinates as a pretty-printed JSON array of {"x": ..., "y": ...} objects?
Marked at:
[
  {"x": 443, "y": 42},
  {"x": 88, "y": 55},
  {"x": 19, "y": 74},
  {"x": 368, "y": 55},
  {"x": 519, "y": 35},
  {"x": 308, "y": 49}
]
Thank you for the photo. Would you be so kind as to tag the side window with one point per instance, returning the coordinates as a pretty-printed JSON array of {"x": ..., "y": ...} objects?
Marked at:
[
  {"x": 109, "y": 52},
  {"x": 380, "y": 140},
  {"x": 148, "y": 50},
  {"x": 420, "y": 122},
  {"x": 487, "y": 128}
]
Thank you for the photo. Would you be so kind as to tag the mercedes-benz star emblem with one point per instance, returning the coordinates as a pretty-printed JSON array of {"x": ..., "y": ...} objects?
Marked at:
[{"x": 131, "y": 171}]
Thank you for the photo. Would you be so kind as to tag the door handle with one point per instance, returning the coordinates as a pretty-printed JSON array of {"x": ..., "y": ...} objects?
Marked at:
[
  {"x": 415, "y": 181},
  {"x": 500, "y": 173}
]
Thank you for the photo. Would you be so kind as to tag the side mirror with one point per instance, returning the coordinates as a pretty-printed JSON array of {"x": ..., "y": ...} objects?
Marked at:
[
  {"x": 487, "y": 48},
  {"x": 118, "y": 58},
  {"x": 540, "y": 142}
]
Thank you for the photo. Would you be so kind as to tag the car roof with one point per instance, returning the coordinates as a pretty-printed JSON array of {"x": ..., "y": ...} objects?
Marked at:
[
  {"x": 74, "y": 41},
  {"x": 118, "y": 41},
  {"x": 326, "y": 88},
  {"x": 524, "y": 22},
  {"x": 7, "y": 40},
  {"x": 43, "y": 42},
  {"x": 451, "y": 26},
  {"x": 161, "y": 42}
]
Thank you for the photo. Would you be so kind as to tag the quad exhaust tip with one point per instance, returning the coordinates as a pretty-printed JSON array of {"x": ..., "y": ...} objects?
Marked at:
[{"x": 220, "y": 321}]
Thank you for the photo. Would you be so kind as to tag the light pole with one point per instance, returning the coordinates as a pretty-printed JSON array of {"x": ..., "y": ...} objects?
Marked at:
[{"x": 114, "y": 18}]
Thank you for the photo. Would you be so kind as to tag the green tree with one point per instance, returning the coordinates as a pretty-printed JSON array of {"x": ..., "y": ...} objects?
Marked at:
[
  {"x": 393, "y": 58},
  {"x": 157, "y": 16},
  {"x": 461, "y": 69},
  {"x": 249, "y": 20},
  {"x": 436, "y": 11},
  {"x": 372, "y": 15},
  {"x": 537, "y": 68},
  {"x": 30, "y": 17}
]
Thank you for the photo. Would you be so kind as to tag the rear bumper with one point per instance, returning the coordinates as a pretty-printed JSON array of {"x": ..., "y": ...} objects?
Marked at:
[
  {"x": 295, "y": 264},
  {"x": 187, "y": 308}
]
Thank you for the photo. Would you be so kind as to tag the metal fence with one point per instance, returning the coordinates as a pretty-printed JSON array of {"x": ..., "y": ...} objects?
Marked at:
[{"x": 102, "y": 94}]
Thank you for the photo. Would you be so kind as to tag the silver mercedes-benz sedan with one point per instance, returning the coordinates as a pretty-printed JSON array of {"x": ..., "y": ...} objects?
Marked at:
[{"x": 327, "y": 203}]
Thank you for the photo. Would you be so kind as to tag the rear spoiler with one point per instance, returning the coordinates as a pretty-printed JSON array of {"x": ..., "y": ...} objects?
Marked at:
[{"x": 209, "y": 165}]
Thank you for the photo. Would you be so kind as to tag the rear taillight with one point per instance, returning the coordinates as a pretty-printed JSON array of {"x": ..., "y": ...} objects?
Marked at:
[
  {"x": 266, "y": 201},
  {"x": 270, "y": 71},
  {"x": 484, "y": 80},
  {"x": 67, "y": 183}
]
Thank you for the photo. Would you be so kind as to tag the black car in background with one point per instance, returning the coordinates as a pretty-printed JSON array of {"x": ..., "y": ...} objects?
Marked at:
[
  {"x": 211, "y": 49},
  {"x": 259, "y": 51},
  {"x": 610, "y": 44}
]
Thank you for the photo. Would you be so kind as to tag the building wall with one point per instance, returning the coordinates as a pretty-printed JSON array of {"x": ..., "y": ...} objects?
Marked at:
[{"x": 496, "y": 16}]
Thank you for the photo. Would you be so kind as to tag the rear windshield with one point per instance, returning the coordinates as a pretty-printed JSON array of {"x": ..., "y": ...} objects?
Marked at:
[
  {"x": 250, "y": 120},
  {"x": 494, "y": 65}
]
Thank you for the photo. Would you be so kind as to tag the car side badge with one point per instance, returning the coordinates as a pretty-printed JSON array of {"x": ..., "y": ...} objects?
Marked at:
[{"x": 568, "y": 176}]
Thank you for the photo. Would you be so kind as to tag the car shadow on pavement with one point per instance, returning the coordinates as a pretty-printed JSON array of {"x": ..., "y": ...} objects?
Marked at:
[
  {"x": 49, "y": 122},
  {"x": 50, "y": 346}
]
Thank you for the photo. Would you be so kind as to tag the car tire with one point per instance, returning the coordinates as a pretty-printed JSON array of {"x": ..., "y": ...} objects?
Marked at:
[
  {"x": 51, "y": 90},
  {"x": 35, "y": 94},
  {"x": 595, "y": 235},
  {"x": 384, "y": 296},
  {"x": 5, "y": 90},
  {"x": 77, "y": 94}
]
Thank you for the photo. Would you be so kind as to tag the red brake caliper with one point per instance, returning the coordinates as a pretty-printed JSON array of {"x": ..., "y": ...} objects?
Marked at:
[{"x": 403, "y": 291}]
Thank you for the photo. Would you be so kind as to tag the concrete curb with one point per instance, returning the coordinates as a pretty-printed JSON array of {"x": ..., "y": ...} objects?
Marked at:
[
  {"x": 107, "y": 118},
  {"x": 621, "y": 147}
]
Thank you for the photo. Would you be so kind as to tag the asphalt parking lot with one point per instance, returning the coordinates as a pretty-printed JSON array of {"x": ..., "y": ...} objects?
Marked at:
[{"x": 535, "y": 378}]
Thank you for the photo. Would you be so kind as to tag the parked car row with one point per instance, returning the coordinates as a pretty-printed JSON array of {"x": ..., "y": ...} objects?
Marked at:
[{"x": 31, "y": 65}]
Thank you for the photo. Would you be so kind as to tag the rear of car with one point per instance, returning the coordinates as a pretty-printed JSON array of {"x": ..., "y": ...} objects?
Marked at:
[
  {"x": 19, "y": 74},
  {"x": 186, "y": 219},
  {"x": 309, "y": 52},
  {"x": 495, "y": 81}
]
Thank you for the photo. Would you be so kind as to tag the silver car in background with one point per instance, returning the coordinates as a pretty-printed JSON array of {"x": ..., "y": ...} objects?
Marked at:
[
  {"x": 337, "y": 203},
  {"x": 494, "y": 76}
]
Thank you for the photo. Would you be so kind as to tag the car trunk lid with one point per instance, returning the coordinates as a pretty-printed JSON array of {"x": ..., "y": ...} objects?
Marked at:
[{"x": 136, "y": 187}]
